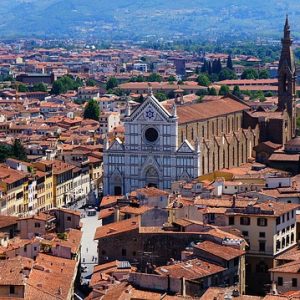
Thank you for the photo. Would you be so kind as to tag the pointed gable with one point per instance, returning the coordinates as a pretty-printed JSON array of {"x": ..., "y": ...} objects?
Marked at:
[
  {"x": 151, "y": 109},
  {"x": 117, "y": 145},
  {"x": 186, "y": 147}
]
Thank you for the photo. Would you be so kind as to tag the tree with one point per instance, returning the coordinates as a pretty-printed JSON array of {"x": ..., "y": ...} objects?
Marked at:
[
  {"x": 209, "y": 68},
  {"x": 18, "y": 151},
  {"x": 250, "y": 74},
  {"x": 203, "y": 80},
  {"x": 154, "y": 77},
  {"x": 91, "y": 82},
  {"x": 111, "y": 83},
  {"x": 92, "y": 111},
  {"x": 5, "y": 152},
  {"x": 22, "y": 88},
  {"x": 227, "y": 74},
  {"x": 204, "y": 68},
  {"x": 263, "y": 74},
  {"x": 229, "y": 64},
  {"x": 58, "y": 88},
  {"x": 216, "y": 66},
  {"x": 39, "y": 87},
  {"x": 65, "y": 83},
  {"x": 212, "y": 91},
  {"x": 171, "y": 78},
  {"x": 237, "y": 92},
  {"x": 268, "y": 94},
  {"x": 224, "y": 90},
  {"x": 141, "y": 99},
  {"x": 202, "y": 92},
  {"x": 161, "y": 96},
  {"x": 139, "y": 78}
]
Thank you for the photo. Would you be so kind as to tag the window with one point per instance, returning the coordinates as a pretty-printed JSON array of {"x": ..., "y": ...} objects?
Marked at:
[
  {"x": 231, "y": 220},
  {"x": 11, "y": 289},
  {"x": 294, "y": 282},
  {"x": 262, "y": 246},
  {"x": 277, "y": 245},
  {"x": 288, "y": 216},
  {"x": 133, "y": 253},
  {"x": 277, "y": 220},
  {"x": 262, "y": 222},
  {"x": 280, "y": 281},
  {"x": 37, "y": 225},
  {"x": 103, "y": 252},
  {"x": 292, "y": 214},
  {"x": 68, "y": 218},
  {"x": 123, "y": 252},
  {"x": 245, "y": 233},
  {"x": 283, "y": 218},
  {"x": 245, "y": 221},
  {"x": 262, "y": 234}
]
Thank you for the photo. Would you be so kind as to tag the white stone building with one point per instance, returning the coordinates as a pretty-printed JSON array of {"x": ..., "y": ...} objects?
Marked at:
[{"x": 150, "y": 154}]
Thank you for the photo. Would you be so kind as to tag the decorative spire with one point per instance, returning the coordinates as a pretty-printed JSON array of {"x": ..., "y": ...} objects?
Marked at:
[
  {"x": 107, "y": 143},
  {"x": 174, "y": 110},
  {"x": 150, "y": 91},
  {"x": 287, "y": 30},
  {"x": 128, "y": 109}
]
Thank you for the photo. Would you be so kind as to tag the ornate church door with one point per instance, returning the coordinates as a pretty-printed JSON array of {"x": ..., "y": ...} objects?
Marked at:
[{"x": 152, "y": 177}]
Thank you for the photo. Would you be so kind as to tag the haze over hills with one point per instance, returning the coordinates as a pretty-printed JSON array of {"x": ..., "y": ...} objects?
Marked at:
[{"x": 139, "y": 19}]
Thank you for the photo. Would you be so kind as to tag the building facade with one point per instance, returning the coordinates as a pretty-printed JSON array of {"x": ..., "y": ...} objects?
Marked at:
[{"x": 150, "y": 154}]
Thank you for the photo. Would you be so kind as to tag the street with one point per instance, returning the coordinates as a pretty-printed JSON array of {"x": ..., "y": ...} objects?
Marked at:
[{"x": 89, "y": 255}]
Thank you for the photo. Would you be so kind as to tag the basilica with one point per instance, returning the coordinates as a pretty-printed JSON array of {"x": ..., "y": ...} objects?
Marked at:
[{"x": 165, "y": 143}]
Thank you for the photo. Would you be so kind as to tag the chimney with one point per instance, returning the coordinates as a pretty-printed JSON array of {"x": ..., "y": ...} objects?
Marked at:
[
  {"x": 234, "y": 201},
  {"x": 48, "y": 154}
]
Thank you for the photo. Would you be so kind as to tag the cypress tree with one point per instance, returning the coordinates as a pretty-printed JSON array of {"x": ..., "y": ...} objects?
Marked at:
[{"x": 229, "y": 63}]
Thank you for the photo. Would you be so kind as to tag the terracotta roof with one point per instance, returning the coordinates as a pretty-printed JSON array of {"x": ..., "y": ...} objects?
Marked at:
[
  {"x": 14, "y": 271},
  {"x": 292, "y": 254},
  {"x": 191, "y": 269},
  {"x": 248, "y": 82},
  {"x": 117, "y": 228},
  {"x": 9, "y": 176},
  {"x": 109, "y": 200},
  {"x": 210, "y": 109},
  {"x": 222, "y": 251},
  {"x": 220, "y": 293},
  {"x": 106, "y": 212},
  {"x": 291, "y": 267},
  {"x": 6, "y": 221},
  {"x": 284, "y": 157},
  {"x": 134, "y": 210},
  {"x": 149, "y": 192},
  {"x": 53, "y": 276}
]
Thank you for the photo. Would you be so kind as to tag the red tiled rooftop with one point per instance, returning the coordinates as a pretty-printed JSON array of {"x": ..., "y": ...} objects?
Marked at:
[
  {"x": 222, "y": 251},
  {"x": 117, "y": 228}
]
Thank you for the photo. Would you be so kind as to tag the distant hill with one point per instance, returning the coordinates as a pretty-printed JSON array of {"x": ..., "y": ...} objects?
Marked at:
[{"x": 138, "y": 19}]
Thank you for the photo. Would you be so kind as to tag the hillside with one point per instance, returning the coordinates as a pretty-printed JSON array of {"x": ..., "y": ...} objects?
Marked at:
[{"x": 137, "y": 19}]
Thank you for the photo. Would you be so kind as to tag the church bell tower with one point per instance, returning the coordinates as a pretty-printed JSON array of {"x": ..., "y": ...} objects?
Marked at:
[{"x": 287, "y": 80}]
